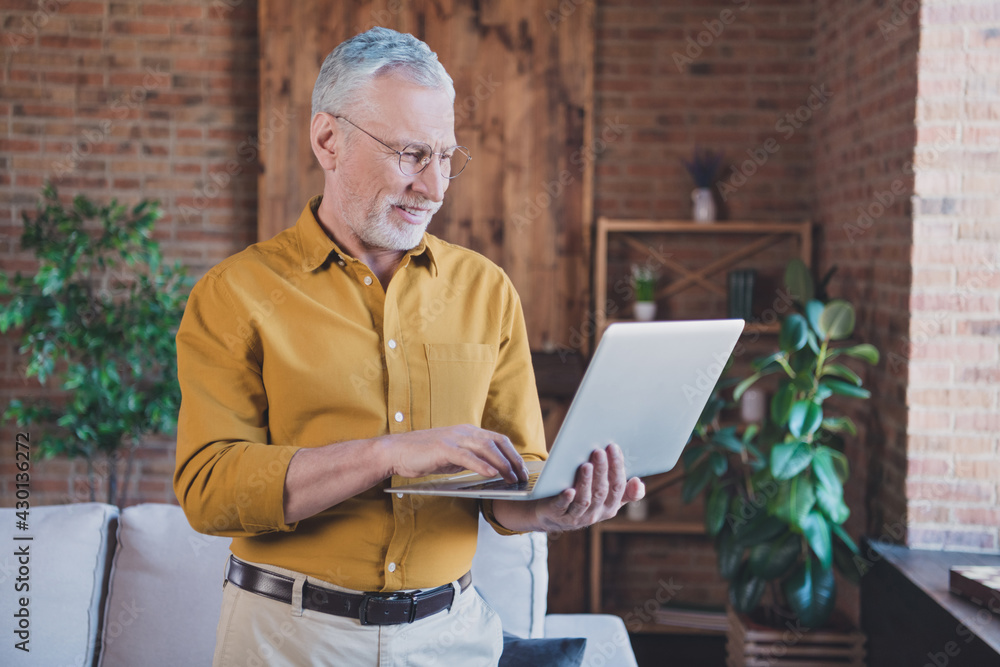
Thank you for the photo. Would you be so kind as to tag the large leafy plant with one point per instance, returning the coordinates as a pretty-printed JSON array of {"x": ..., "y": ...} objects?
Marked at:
[
  {"x": 774, "y": 492},
  {"x": 99, "y": 317}
]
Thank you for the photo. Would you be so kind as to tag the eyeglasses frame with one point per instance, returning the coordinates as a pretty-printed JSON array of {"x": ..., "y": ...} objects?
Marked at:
[{"x": 465, "y": 151}]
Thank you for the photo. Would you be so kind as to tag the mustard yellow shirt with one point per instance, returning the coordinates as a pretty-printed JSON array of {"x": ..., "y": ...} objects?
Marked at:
[{"x": 292, "y": 343}]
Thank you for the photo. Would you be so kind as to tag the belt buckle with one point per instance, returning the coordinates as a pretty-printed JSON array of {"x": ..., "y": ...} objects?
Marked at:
[{"x": 368, "y": 597}]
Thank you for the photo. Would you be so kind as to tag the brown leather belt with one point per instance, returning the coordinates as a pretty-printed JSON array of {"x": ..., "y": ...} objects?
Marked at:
[{"x": 388, "y": 608}]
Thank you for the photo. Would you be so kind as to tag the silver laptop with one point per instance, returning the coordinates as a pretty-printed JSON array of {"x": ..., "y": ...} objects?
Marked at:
[{"x": 644, "y": 390}]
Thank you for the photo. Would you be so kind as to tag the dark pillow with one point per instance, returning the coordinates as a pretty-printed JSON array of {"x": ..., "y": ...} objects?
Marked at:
[{"x": 561, "y": 652}]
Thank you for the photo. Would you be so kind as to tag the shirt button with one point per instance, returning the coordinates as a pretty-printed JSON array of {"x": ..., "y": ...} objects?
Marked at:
[
  {"x": 392, "y": 344},
  {"x": 399, "y": 416},
  {"x": 399, "y": 495},
  {"x": 392, "y": 567},
  {"x": 341, "y": 262},
  {"x": 368, "y": 280}
]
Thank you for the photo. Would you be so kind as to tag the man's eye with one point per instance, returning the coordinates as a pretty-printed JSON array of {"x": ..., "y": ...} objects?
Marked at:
[{"x": 417, "y": 157}]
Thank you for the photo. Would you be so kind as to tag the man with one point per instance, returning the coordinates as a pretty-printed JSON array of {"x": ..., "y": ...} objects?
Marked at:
[{"x": 350, "y": 353}]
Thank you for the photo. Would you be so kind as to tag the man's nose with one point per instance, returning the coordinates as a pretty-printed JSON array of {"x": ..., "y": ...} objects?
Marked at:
[{"x": 430, "y": 182}]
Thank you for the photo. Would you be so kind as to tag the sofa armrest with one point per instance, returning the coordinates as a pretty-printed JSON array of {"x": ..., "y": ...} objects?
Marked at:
[{"x": 607, "y": 640}]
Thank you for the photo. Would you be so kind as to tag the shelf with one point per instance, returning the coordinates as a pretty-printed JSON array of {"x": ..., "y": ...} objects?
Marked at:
[
  {"x": 651, "y": 627},
  {"x": 623, "y": 525},
  {"x": 723, "y": 227},
  {"x": 767, "y": 234}
]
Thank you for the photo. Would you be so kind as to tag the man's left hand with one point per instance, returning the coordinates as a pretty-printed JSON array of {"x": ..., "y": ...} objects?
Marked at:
[{"x": 599, "y": 492}]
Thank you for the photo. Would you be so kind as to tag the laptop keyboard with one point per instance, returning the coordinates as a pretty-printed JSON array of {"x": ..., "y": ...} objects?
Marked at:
[{"x": 504, "y": 485}]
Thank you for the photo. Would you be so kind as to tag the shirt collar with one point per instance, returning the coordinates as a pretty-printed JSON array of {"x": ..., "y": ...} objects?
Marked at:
[{"x": 315, "y": 245}]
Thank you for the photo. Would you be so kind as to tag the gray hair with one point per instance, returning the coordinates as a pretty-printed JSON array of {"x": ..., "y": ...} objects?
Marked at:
[{"x": 359, "y": 60}]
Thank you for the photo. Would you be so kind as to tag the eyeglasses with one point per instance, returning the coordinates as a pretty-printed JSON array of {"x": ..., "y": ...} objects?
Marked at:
[{"x": 415, "y": 157}]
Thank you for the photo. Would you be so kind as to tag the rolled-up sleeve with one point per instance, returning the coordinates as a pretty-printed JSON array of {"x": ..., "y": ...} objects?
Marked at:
[{"x": 229, "y": 477}]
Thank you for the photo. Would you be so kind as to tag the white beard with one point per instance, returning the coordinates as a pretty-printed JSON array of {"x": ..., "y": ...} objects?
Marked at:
[
  {"x": 380, "y": 232},
  {"x": 378, "y": 229}
]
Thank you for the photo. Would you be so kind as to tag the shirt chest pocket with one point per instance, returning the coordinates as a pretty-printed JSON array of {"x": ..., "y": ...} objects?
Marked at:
[{"x": 460, "y": 375}]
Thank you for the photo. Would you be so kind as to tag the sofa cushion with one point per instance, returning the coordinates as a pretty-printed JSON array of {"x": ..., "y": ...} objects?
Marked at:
[
  {"x": 65, "y": 579},
  {"x": 511, "y": 572},
  {"x": 165, "y": 592},
  {"x": 559, "y": 652}
]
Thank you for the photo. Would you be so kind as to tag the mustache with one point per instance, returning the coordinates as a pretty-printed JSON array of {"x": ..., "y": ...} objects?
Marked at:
[{"x": 432, "y": 207}]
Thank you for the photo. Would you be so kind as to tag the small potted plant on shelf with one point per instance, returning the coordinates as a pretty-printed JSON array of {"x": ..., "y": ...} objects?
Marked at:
[
  {"x": 774, "y": 491},
  {"x": 644, "y": 284},
  {"x": 703, "y": 167},
  {"x": 99, "y": 316}
]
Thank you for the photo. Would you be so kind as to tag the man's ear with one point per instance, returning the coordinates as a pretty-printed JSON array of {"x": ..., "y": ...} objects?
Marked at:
[{"x": 324, "y": 137}]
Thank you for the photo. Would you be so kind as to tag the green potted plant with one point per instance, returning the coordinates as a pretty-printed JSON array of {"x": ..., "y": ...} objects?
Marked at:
[
  {"x": 644, "y": 285},
  {"x": 774, "y": 492},
  {"x": 703, "y": 168},
  {"x": 99, "y": 317}
]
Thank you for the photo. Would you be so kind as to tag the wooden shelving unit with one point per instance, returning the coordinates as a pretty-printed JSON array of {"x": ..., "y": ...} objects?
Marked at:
[
  {"x": 620, "y": 525},
  {"x": 761, "y": 236},
  {"x": 767, "y": 234}
]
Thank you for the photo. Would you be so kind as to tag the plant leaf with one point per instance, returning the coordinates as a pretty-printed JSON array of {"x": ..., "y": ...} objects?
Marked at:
[
  {"x": 719, "y": 463},
  {"x": 798, "y": 282},
  {"x": 817, "y": 533},
  {"x": 837, "y": 319},
  {"x": 842, "y": 535},
  {"x": 842, "y": 371},
  {"x": 760, "y": 528},
  {"x": 767, "y": 363},
  {"x": 744, "y": 385},
  {"x": 691, "y": 454},
  {"x": 727, "y": 439},
  {"x": 845, "y": 561},
  {"x": 730, "y": 554},
  {"x": 712, "y": 408},
  {"x": 804, "y": 418},
  {"x": 715, "y": 510},
  {"x": 770, "y": 560},
  {"x": 864, "y": 351},
  {"x": 811, "y": 592},
  {"x": 781, "y": 403},
  {"x": 832, "y": 505},
  {"x": 794, "y": 333},
  {"x": 813, "y": 310},
  {"x": 695, "y": 480},
  {"x": 839, "y": 424},
  {"x": 746, "y": 590},
  {"x": 845, "y": 389},
  {"x": 789, "y": 459},
  {"x": 826, "y": 473},
  {"x": 794, "y": 501}
]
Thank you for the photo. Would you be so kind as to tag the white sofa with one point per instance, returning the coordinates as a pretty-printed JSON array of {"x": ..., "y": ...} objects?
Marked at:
[{"x": 140, "y": 588}]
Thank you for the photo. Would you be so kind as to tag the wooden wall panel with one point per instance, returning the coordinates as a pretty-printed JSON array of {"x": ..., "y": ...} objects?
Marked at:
[{"x": 523, "y": 106}]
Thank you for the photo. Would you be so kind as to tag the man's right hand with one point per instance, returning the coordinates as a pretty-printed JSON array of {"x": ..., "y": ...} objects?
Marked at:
[
  {"x": 452, "y": 449},
  {"x": 320, "y": 477}
]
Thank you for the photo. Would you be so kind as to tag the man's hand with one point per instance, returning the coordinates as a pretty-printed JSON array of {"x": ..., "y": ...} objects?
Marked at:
[
  {"x": 452, "y": 449},
  {"x": 599, "y": 492},
  {"x": 320, "y": 477}
]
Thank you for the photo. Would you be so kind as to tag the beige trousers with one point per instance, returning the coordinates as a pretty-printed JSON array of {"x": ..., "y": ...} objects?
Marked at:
[{"x": 255, "y": 631}]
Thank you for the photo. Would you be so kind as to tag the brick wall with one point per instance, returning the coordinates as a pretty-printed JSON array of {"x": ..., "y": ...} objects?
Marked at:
[
  {"x": 864, "y": 153},
  {"x": 863, "y": 146},
  {"x": 719, "y": 74},
  {"x": 951, "y": 348},
  {"x": 126, "y": 100}
]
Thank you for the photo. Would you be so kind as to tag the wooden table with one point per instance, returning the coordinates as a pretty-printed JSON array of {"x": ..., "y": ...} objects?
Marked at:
[{"x": 910, "y": 616}]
